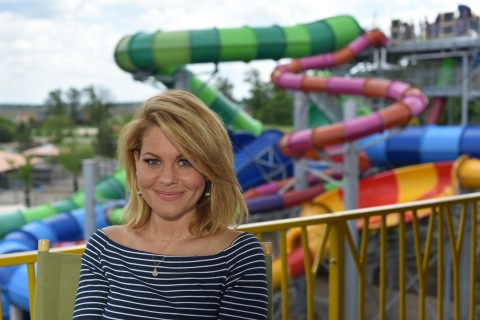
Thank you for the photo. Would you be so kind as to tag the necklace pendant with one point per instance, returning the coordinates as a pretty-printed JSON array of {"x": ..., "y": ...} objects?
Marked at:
[{"x": 155, "y": 272}]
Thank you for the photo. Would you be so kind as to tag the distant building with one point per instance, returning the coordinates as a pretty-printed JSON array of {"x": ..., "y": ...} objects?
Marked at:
[
  {"x": 446, "y": 25},
  {"x": 23, "y": 112}
]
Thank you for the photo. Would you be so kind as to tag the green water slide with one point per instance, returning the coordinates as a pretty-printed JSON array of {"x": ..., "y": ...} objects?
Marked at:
[
  {"x": 166, "y": 53},
  {"x": 108, "y": 188}
]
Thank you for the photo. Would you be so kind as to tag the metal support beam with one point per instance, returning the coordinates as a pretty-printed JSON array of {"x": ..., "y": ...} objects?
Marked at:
[
  {"x": 89, "y": 171},
  {"x": 464, "y": 120},
  {"x": 350, "y": 194},
  {"x": 300, "y": 121}
]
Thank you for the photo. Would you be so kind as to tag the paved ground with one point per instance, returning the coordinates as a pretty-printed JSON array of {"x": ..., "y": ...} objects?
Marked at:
[
  {"x": 58, "y": 185},
  {"x": 48, "y": 193}
]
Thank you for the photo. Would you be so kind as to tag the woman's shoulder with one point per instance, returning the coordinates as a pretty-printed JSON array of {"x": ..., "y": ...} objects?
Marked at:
[
  {"x": 110, "y": 235},
  {"x": 245, "y": 250},
  {"x": 114, "y": 239},
  {"x": 115, "y": 233},
  {"x": 243, "y": 239},
  {"x": 124, "y": 237}
]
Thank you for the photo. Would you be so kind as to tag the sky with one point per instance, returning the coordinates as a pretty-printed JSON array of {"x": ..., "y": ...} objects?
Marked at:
[{"x": 47, "y": 45}]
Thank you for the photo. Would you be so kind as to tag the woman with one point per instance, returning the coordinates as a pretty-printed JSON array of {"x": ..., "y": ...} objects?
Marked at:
[{"x": 175, "y": 256}]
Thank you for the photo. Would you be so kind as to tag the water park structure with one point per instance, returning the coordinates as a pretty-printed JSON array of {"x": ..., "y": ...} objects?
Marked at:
[{"x": 411, "y": 162}]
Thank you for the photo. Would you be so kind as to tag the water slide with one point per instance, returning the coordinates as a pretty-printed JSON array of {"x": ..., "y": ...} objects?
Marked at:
[
  {"x": 411, "y": 146},
  {"x": 406, "y": 184},
  {"x": 167, "y": 53}
]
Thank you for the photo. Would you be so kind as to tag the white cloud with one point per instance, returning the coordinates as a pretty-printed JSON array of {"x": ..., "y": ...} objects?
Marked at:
[{"x": 70, "y": 43}]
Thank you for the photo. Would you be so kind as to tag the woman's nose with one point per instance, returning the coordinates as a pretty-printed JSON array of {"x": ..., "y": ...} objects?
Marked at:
[{"x": 167, "y": 175}]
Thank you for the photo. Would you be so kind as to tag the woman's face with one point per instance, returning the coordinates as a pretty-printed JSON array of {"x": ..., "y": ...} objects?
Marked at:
[{"x": 169, "y": 184}]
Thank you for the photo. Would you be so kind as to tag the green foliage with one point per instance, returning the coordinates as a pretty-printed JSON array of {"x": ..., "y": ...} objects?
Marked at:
[
  {"x": 267, "y": 103},
  {"x": 74, "y": 104},
  {"x": 7, "y": 130},
  {"x": 71, "y": 156},
  {"x": 225, "y": 87},
  {"x": 65, "y": 110},
  {"x": 97, "y": 106},
  {"x": 106, "y": 141},
  {"x": 456, "y": 112},
  {"x": 25, "y": 174},
  {"x": 24, "y": 136},
  {"x": 260, "y": 93},
  {"x": 474, "y": 114},
  {"x": 57, "y": 127},
  {"x": 279, "y": 110}
]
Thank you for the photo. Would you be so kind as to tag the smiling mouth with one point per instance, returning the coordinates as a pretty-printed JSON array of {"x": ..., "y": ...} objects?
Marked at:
[{"x": 168, "y": 195}]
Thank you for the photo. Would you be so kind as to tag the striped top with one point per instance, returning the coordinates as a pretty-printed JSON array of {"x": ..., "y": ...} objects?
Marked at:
[{"x": 116, "y": 282}]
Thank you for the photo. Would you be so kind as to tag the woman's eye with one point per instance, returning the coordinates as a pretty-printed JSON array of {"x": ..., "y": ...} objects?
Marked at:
[
  {"x": 152, "y": 162},
  {"x": 184, "y": 163}
]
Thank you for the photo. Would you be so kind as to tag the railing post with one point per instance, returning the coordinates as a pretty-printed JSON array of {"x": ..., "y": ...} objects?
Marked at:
[
  {"x": 300, "y": 122},
  {"x": 350, "y": 199},
  {"x": 464, "y": 264},
  {"x": 336, "y": 280},
  {"x": 89, "y": 169}
]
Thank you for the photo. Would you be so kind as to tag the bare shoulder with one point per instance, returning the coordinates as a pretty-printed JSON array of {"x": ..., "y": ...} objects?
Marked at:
[
  {"x": 115, "y": 232},
  {"x": 230, "y": 235},
  {"x": 121, "y": 235},
  {"x": 227, "y": 237}
]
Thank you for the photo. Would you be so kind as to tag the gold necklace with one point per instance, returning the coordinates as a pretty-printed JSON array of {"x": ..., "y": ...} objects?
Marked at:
[
  {"x": 155, "y": 265},
  {"x": 169, "y": 241}
]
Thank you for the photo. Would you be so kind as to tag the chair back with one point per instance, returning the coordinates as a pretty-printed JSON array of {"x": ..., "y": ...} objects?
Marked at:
[{"x": 56, "y": 283}]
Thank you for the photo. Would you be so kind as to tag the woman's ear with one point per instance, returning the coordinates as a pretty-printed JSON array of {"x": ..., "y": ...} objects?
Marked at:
[{"x": 208, "y": 186}]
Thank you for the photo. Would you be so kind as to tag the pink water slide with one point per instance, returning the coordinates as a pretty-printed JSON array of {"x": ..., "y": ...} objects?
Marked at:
[{"x": 409, "y": 100}]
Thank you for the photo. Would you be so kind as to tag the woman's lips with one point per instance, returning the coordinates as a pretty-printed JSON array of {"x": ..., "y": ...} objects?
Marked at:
[{"x": 168, "y": 196}]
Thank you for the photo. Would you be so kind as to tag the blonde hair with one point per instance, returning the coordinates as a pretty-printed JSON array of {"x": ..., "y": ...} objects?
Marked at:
[{"x": 199, "y": 134}]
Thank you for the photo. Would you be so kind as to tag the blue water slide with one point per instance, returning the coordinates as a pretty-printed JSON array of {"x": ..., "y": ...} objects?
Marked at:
[
  {"x": 261, "y": 161},
  {"x": 421, "y": 145}
]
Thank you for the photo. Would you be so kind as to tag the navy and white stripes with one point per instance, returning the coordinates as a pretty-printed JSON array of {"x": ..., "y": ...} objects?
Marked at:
[{"x": 116, "y": 282}]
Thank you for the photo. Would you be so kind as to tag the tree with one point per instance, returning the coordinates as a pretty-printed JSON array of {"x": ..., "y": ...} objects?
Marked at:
[
  {"x": 279, "y": 110},
  {"x": 24, "y": 136},
  {"x": 224, "y": 86},
  {"x": 97, "y": 106},
  {"x": 268, "y": 103},
  {"x": 58, "y": 123},
  {"x": 456, "y": 110},
  {"x": 260, "y": 93},
  {"x": 25, "y": 174},
  {"x": 71, "y": 156},
  {"x": 106, "y": 141},
  {"x": 7, "y": 130},
  {"x": 74, "y": 103}
]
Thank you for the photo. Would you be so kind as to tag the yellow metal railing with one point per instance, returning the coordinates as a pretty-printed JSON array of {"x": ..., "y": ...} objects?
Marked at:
[
  {"x": 327, "y": 237},
  {"x": 336, "y": 240}
]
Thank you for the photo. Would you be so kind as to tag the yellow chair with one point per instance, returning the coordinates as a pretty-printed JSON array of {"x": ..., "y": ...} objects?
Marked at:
[{"x": 56, "y": 283}]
